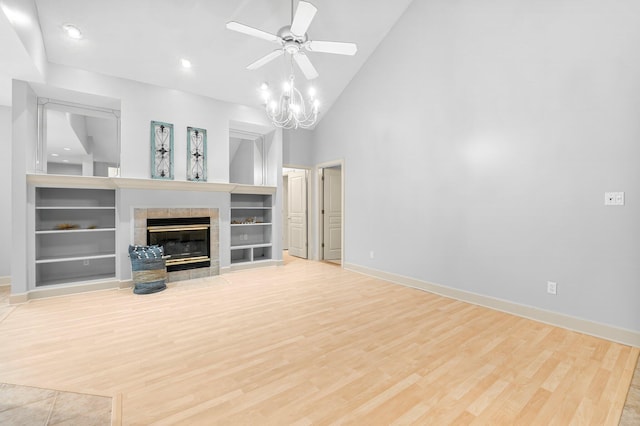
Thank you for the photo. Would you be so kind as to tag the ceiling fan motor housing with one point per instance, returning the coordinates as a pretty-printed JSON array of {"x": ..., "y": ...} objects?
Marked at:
[{"x": 292, "y": 42}]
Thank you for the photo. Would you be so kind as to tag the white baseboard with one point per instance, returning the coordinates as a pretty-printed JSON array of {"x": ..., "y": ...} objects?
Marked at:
[
  {"x": 615, "y": 334},
  {"x": 4, "y": 281},
  {"x": 64, "y": 290}
]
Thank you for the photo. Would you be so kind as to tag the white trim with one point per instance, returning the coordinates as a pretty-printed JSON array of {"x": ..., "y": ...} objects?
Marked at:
[
  {"x": 65, "y": 290},
  {"x": 62, "y": 181},
  {"x": 615, "y": 334},
  {"x": 5, "y": 281},
  {"x": 320, "y": 190}
]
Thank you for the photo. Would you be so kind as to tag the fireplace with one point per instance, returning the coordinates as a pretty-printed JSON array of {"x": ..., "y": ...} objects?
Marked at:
[
  {"x": 140, "y": 235},
  {"x": 185, "y": 241}
]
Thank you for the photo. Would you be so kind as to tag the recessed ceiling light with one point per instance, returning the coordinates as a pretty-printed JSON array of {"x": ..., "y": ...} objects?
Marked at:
[
  {"x": 65, "y": 161},
  {"x": 73, "y": 31},
  {"x": 55, "y": 155},
  {"x": 185, "y": 63},
  {"x": 67, "y": 149}
]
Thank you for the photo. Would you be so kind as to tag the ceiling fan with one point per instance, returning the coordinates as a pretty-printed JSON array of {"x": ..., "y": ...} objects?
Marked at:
[{"x": 293, "y": 39}]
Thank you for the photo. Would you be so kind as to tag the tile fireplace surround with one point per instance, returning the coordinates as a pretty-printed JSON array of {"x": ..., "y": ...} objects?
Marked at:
[{"x": 140, "y": 236}]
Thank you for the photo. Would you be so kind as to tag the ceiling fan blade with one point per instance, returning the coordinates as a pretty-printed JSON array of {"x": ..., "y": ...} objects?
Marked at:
[
  {"x": 245, "y": 29},
  {"x": 303, "y": 17},
  {"x": 306, "y": 66},
  {"x": 267, "y": 58},
  {"x": 336, "y": 47}
]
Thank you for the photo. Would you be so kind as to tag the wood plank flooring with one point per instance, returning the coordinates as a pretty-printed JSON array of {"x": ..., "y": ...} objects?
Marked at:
[{"x": 309, "y": 343}]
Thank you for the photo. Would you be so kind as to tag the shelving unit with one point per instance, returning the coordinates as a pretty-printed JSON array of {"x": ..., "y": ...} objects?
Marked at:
[
  {"x": 75, "y": 235},
  {"x": 251, "y": 228}
]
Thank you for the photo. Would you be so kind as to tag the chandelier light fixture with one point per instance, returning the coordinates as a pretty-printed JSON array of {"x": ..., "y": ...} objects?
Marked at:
[{"x": 290, "y": 110}]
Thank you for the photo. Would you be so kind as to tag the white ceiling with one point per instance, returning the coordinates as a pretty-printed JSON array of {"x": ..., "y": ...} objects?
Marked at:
[{"x": 144, "y": 40}]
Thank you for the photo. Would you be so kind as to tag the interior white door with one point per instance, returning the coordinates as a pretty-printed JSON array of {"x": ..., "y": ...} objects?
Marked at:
[
  {"x": 332, "y": 217},
  {"x": 298, "y": 214}
]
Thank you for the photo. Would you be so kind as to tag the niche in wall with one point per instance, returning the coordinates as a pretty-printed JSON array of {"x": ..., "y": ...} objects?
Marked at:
[
  {"x": 247, "y": 159},
  {"x": 77, "y": 138},
  {"x": 255, "y": 154}
]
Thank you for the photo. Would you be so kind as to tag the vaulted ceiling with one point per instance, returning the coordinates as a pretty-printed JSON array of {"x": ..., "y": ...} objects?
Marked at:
[{"x": 145, "y": 40}]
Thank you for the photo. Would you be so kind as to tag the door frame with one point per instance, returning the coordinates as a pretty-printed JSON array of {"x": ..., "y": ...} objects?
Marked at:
[{"x": 319, "y": 192}]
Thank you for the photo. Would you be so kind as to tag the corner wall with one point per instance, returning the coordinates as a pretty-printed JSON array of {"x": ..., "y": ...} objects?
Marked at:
[
  {"x": 477, "y": 155},
  {"x": 5, "y": 191}
]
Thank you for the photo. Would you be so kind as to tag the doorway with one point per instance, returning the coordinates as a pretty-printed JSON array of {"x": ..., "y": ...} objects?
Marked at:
[
  {"x": 331, "y": 213},
  {"x": 295, "y": 215}
]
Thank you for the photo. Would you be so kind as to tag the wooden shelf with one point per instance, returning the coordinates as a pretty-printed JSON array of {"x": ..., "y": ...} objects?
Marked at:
[
  {"x": 74, "y": 281},
  {"x": 250, "y": 208},
  {"x": 74, "y": 258},
  {"x": 249, "y": 246},
  {"x": 71, "y": 231},
  {"x": 75, "y": 208}
]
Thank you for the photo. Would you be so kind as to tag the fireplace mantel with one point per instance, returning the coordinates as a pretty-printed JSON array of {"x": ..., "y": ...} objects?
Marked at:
[{"x": 64, "y": 181}]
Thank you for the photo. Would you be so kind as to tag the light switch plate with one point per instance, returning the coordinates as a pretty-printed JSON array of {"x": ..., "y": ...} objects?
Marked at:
[{"x": 614, "y": 198}]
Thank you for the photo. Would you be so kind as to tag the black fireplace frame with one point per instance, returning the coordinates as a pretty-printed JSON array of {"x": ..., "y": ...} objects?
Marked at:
[{"x": 177, "y": 222}]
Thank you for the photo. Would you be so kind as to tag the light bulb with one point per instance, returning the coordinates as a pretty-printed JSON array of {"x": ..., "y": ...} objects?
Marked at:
[
  {"x": 316, "y": 104},
  {"x": 264, "y": 86},
  {"x": 273, "y": 105},
  {"x": 312, "y": 92},
  {"x": 185, "y": 63},
  {"x": 286, "y": 86}
]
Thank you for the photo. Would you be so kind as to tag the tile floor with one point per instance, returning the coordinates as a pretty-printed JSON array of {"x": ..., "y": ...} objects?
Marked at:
[
  {"x": 24, "y": 405},
  {"x": 631, "y": 412}
]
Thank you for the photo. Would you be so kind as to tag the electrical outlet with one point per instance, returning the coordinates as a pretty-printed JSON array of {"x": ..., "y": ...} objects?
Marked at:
[
  {"x": 614, "y": 198},
  {"x": 85, "y": 262},
  {"x": 552, "y": 287}
]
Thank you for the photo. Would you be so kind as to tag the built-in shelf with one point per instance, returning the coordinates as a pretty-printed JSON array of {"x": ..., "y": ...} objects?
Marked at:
[
  {"x": 84, "y": 250},
  {"x": 251, "y": 242}
]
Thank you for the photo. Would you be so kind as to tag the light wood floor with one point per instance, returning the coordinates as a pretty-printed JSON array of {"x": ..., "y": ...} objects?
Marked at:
[{"x": 310, "y": 343}]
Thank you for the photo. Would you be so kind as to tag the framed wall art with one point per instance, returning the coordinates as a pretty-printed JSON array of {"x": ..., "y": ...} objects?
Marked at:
[
  {"x": 196, "y": 154},
  {"x": 161, "y": 150}
]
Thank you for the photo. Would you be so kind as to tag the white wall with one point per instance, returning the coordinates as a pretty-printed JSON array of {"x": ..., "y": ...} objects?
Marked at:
[
  {"x": 142, "y": 103},
  {"x": 24, "y": 116},
  {"x": 479, "y": 140},
  {"x": 5, "y": 191},
  {"x": 297, "y": 146}
]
